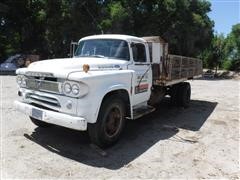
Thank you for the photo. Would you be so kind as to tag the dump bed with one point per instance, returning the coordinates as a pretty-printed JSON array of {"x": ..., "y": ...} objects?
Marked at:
[
  {"x": 176, "y": 69},
  {"x": 170, "y": 69}
]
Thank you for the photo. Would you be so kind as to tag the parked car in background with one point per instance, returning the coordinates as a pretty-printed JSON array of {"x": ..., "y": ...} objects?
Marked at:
[{"x": 10, "y": 65}]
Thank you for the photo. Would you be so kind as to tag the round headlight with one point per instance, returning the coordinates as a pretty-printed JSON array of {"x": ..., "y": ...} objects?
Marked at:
[
  {"x": 67, "y": 88},
  {"x": 75, "y": 89},
  {"x": 19, "y": 80},
  {"x": 24, "y": 83}
]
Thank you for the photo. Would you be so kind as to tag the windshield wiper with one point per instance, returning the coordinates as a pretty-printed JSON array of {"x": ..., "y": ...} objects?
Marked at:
[{"x": 97, "y": 55}]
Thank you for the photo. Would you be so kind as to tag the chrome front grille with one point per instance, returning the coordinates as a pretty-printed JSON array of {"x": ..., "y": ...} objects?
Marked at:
[
  {"x": 43, "y": 100},
  {"x": 43, "y": 85},
  {"x": 45, "y": 91}
]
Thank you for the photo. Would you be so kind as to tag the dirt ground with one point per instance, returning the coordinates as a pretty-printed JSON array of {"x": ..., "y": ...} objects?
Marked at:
[{"x": 199, "y": 142}]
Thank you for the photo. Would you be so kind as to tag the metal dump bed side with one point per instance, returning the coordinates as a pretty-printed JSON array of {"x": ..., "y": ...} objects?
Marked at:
[
  {"x": 169, "y": 69},
  {"x": 179, "y": 68}
]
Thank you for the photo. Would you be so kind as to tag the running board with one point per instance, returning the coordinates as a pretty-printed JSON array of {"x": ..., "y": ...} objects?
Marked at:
[{"x": 141, "y": 111}]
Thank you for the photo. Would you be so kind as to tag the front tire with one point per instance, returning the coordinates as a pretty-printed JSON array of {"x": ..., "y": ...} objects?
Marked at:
[
  {"x": 110, "y": 122},
  {"x": 40, "y": 123}
]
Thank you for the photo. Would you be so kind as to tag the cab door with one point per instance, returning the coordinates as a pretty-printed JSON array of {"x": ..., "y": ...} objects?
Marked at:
[{"x": 142, "y": 76}]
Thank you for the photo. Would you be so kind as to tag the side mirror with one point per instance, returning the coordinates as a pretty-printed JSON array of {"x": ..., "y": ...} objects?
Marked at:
[{"x": 72, "y": 48}]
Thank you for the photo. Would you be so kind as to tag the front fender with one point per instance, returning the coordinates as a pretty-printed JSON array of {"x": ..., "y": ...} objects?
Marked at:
[
  {"x": 117, "y": 87},
  {"x": 112, "y": 89},
  {"x": 108, "y": 89},
  {"x": 99, "y": 86}
]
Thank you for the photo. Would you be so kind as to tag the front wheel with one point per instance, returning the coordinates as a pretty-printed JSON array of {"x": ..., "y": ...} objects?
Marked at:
[{"x": 110, "y": 122}]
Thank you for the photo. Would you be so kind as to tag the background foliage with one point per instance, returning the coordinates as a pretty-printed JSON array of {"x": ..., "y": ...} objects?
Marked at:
[{"x": 46, "y": 27}]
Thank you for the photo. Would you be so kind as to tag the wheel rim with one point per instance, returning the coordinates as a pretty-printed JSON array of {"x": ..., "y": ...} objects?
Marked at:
[{"x": 113, "y": 122}]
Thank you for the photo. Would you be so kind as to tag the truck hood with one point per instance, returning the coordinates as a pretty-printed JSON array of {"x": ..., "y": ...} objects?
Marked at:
[{"x": 62, "y": 67}]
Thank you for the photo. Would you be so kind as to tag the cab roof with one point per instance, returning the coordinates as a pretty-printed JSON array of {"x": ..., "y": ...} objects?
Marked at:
[{"x": 114, "y": 36}]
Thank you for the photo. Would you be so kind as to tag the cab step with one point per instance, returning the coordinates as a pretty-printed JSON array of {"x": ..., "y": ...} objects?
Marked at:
[{"x": 141, "y": 111}]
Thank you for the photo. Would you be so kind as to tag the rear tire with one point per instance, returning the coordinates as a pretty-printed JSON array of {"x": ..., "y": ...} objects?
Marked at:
[
  {"x": 110, "y": 122},
  {"x": 184, "y": 94},
  {"x": 174, "y": 93},
  {"x": 181, "y": 94},
  {"x": 40, "y": 123}
]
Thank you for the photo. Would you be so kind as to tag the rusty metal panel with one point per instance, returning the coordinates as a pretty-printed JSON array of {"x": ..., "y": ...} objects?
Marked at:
[{"x": 178, "y": 68}]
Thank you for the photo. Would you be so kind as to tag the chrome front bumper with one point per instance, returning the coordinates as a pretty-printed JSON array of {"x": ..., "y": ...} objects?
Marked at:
[{"x": 65, "y": 120}]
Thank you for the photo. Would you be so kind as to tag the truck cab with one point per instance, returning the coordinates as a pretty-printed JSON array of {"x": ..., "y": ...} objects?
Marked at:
[
  {"x": 109, "y": 79},
  {"x": 134, "y": 54}
]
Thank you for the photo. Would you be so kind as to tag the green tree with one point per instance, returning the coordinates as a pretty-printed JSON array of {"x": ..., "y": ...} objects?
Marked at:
[
  {"x": 218, "y": 55},
  {"x": 183, "y": 23},
  {"x": 232, "y": 49},
  {"x": 214, "y": 55},
  {"x": 20, "y": 30},
  {"x": 46, "y": 27}
]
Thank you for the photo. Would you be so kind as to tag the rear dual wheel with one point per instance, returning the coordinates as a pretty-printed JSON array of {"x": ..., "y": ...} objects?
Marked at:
[
  {"x": 185, "y": 95},
  {"x": 181, "y": 94}
]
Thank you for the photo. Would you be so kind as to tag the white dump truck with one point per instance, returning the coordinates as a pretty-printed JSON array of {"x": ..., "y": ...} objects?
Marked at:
[{"x": 109, "y": 79}]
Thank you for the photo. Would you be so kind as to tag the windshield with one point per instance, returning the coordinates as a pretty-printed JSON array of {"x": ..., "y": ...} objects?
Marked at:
[{"x": 103, "y": 48}]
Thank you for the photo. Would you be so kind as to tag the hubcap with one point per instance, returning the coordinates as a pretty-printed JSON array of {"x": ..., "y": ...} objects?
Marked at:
[{"x": 113, "y": 122}]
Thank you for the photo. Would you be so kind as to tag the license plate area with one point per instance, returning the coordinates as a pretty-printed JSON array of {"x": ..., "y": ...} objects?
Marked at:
[{"x": 38, "y": 114}]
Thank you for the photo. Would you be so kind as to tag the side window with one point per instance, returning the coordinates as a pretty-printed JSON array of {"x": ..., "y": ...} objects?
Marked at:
[{"x": 139, "y": 52}]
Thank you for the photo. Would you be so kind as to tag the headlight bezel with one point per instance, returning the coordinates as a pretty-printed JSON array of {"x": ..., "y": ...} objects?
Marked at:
[
  {"x": 64, "y": 88},
  {"x": 80, "y": 88},
  {"x": 21, "y": 81},
  {"x": 76, "y": 88}
]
